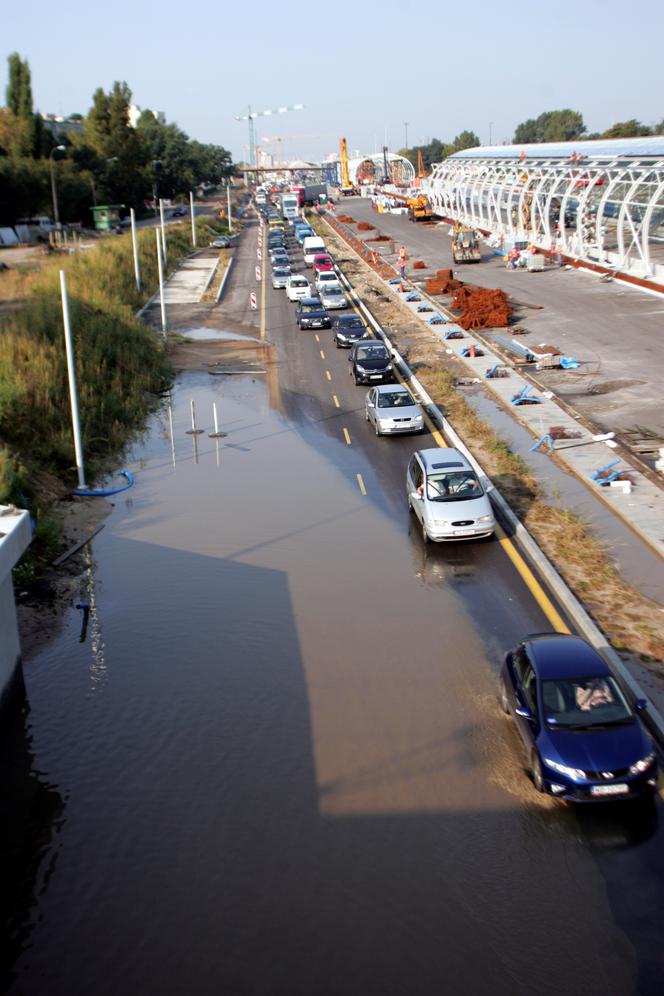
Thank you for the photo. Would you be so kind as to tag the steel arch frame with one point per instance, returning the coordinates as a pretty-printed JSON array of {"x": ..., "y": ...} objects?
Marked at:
[{"x": 516, "y": 198}]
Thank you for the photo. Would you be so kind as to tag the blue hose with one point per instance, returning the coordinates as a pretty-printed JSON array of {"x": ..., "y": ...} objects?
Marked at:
[{"x": 111, "y": 491}]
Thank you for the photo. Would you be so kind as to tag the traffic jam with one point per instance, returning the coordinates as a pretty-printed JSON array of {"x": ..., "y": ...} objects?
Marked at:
[{"x": 582, "y": 738}]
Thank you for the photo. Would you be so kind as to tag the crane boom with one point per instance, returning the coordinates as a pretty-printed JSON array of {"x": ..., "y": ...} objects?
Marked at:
[{"x": 251, "y": 117}]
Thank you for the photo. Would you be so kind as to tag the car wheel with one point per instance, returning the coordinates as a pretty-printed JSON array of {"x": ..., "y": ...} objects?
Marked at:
[
  {"x": 366, "y": 415},
  {"x": 376, "y": 428},
  {"x": 504, "y": 703},
  {"x": 536, "y": 772},
  {"x": 425, "y": 535},
  {"x": 357, "y": 381}
]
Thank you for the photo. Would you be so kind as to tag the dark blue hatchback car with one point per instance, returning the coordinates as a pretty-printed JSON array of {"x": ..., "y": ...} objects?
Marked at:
[{"x": 583, "y": 740}]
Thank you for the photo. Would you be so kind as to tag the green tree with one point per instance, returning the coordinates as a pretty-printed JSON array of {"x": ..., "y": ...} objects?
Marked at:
[
  {"x": 551, "y": 126},
  {"x": 121, "y": 156},
  {"x": 19, "y": 102},
  {"x": 627, "y": 129},
  {"x": 466, "y": 140}
]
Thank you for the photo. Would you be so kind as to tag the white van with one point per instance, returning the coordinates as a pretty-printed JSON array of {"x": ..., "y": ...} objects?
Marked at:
[
  {"x": 297, "y": 287},
  {"x": 311, "y": 246}
]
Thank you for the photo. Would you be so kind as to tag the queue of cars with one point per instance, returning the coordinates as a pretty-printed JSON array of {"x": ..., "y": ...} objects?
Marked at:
[{"x": 582, "y": 738}]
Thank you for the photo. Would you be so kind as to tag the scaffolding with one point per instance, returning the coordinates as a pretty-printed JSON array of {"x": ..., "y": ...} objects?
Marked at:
[{"x": 600, "y": 202}]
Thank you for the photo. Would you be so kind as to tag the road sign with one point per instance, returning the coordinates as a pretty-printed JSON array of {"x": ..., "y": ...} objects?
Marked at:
[
  {"x": 258, "y": 273},
  {"x": 252, "y": 301}
]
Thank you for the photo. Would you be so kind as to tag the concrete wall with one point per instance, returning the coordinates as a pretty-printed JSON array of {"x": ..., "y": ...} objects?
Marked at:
[
  {"x": 11, "y": 678},
  {"x": 15, "y": 537}
]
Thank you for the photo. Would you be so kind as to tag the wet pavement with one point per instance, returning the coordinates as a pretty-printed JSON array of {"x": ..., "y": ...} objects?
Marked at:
[{"x": 275, "y": 762}]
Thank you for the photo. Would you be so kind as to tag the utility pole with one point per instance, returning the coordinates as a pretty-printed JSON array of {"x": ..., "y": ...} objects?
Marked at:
[
  {"x": 54, "y": 190},
  {"x": 490, "y": 127},
  {"x": 71, "y": 373},
  {"x": 405, "y": 125},
  {"x": 134, "y": 242}
]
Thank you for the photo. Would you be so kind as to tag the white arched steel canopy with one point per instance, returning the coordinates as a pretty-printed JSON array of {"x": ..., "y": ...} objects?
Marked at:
[{"x": 602, "y": 201}]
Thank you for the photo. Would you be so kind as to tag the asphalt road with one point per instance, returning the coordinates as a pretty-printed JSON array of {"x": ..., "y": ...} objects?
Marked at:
[{"x": 274, "y": 762}]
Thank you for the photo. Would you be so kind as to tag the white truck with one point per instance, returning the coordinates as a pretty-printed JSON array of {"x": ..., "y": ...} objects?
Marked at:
[{"x": 289, "y": 205}]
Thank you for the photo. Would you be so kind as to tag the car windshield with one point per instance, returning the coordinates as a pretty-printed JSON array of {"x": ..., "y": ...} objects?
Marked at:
[
  {"x": 453, "y": 486},
  {"x": 281, "y": 271},
  {"x": 394, "y": 399},
  {"x": 333, "y": 292},
  {"x": 582, "y": 703},
  {"x": 371, "y": 353},
  {"x": 351, "y": 322},
  {"x": 327, "y": 278},
  {"x": 311, "y": 307}
]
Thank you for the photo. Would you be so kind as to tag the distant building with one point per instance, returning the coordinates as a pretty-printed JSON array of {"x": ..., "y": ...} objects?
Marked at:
[
  {"x": 61, "y": 127},
  {"x": 135, "y": 112}
]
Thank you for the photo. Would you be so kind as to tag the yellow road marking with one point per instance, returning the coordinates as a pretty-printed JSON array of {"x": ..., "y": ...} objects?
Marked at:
[
  {"x": 531, "y": 582},
  {"x": 519, "y": 563},
  {"x": 322, "y": 354},
  {"x": 262, "y": 333},
  {"x": 336, "y": 401},
  {"x": 317, "y": 337},
  {"x": 346, "y": 436},
  {"x": 328, "y": 375},
  {"x": 361, "y": 484}
]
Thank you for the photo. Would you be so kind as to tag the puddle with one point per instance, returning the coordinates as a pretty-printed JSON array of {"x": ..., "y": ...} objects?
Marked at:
[{"x": 201, "y": 334}]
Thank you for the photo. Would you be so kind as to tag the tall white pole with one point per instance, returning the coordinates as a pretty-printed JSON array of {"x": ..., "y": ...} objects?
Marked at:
[
  {"x": 71, "y": 371},
  {"x": 164, "y": 250},
  {"x": 230, "y": 217},
  {"x": 134, "y": 242},
  {"x": 193, "y": 218},
  {"x": 160, "y": 267}
]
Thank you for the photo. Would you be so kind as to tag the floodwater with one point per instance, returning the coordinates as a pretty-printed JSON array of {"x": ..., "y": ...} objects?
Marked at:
[{"x": 273, "y": 762}]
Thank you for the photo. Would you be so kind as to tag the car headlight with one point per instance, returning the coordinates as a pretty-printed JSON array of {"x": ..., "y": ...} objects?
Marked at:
[
  {"x": 485, "y": 518},
  {"x": 440, "y": 522},
  {"x": 576, "y": 774},
  {"x": 389, "y": 366},
  {"x": 360, "y": 369},
  {"x": 640, "y": 766}
]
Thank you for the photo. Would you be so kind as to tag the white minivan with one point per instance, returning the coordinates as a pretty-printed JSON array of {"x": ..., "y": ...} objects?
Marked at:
[
  {"x": 297, "y": 287},
  {"x": 444, "y": 492},
  {"x": 312, "y": 245}
]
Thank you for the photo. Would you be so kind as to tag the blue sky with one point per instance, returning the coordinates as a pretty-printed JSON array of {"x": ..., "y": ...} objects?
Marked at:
[{"x": 360, "y": 72}]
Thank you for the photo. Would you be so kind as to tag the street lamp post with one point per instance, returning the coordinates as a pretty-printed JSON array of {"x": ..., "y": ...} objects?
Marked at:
[
  {"x": 405, "y": 125},
  {"x": 54, "y": 191}
]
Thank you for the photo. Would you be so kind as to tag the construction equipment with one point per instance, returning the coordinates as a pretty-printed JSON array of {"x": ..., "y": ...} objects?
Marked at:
[
  {"x": 251, "y": 117},
  {"x": 346, "y": 187},
  {"x": 465, "y": 244},
  {"x": 419, "y": 208}
]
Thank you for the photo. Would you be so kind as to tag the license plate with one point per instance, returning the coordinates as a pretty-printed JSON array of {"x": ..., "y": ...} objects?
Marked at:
[
  {"x": 375, "y": 377},
  {"x": 465, "y": 532},
  {"x": 609, "y": 789}
]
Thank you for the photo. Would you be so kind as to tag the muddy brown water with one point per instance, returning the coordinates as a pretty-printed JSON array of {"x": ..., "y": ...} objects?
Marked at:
[{"x": 273, "y": 762}]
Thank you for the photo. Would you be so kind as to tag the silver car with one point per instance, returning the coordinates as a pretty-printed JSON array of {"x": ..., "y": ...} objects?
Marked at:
[
  {"x": 332, "y": 297},
  {"x": 391, "y": 409},
  {"x": 280, "y": 276},
  {"x": 443, "y": 491}
]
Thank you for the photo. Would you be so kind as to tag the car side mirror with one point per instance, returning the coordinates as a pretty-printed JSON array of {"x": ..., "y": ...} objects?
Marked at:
[
  {"x": 523, "y": 711},
  {"x": 416, "y": 496},
  {"x": 640, "y": 705}
]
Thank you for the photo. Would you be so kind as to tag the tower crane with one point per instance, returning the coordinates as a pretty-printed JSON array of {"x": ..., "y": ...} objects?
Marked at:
[{"x": 251, "y": 116}]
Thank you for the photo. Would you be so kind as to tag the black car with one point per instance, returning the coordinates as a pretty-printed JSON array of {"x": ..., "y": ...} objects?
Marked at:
[
  {"x": 178, "y": 212},
  {"x": 311, "y": 314},
  {"x": 371, "y": 362},
  {"x": 347, "y": 329}
]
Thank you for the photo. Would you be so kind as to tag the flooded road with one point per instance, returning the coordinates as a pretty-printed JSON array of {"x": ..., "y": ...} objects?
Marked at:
[{"x": 276, "y": 763}]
